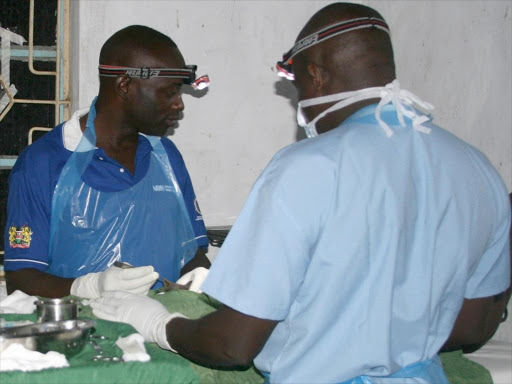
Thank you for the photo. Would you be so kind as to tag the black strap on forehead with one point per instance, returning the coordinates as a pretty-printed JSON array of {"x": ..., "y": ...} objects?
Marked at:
[
  {"x": 188, "y": 74},
  {"x": 334, "y": 30}
]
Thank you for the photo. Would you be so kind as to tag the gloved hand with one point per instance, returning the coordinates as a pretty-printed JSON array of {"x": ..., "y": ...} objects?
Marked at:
[
  {"x": 146, "y": 315},
  {"x": 136, "y": 280},
  {"x": 195, "y": 277}
]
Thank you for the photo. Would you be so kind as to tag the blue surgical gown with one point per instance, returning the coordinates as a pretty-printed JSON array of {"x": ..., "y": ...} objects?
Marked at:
[{"x": 363, "y": 247}]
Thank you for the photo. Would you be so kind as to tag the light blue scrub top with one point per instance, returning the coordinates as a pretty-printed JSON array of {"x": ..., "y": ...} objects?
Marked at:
[{"x": 364, "y": 247}]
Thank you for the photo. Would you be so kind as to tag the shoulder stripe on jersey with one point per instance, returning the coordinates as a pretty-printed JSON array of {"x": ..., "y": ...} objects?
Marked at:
[{"x": 28, "y": 261}]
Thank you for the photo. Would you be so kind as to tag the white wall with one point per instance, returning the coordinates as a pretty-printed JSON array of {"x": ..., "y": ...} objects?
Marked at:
[{"x": 454, "y": 54}]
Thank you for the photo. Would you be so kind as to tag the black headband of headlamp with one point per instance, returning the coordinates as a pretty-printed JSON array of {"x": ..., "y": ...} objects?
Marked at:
[
  {"x": 284, "y": 66},
  {"x": 333, "y": 30},
  {"x": 188, "y": 74}
]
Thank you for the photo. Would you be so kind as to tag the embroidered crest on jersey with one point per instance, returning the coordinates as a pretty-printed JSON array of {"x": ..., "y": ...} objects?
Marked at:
[{"x": 20, "y": 237}]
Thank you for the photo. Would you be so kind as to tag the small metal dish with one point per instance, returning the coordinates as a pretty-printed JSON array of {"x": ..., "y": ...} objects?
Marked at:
[
  {"x": 67, "y": 337},
  {"x": 56, "y": 310}
]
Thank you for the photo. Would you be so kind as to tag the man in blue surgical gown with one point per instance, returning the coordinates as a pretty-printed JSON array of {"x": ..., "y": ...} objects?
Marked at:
[{"x": 366, "y": 240}]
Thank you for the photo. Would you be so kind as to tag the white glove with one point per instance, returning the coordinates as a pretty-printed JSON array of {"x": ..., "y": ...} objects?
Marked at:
[
  {"x": 136, "y": 280},
  {"x": 146, "y": 315},
  {"x": 195, "y": 277}
]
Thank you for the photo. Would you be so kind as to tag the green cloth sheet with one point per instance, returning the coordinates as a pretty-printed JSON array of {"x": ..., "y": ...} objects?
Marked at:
[
  {"x": 168, "y": 367},
  {"x": 164, "y": 367},
  {"x": 460, "y": 370}
]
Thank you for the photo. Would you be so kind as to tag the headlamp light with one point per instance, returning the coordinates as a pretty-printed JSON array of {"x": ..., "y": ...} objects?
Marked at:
[{"x": 285, "y": 70}]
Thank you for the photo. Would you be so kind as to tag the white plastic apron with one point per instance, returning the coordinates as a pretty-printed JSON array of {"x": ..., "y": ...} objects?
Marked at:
[{"x": 146, "y": 224}]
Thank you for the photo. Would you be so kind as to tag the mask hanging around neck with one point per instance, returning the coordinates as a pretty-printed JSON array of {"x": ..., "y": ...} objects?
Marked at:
[{"x": 391, "y": 93}]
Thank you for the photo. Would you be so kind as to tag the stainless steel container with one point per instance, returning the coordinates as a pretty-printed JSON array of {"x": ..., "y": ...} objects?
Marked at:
[{"x": 56, "y": 310}]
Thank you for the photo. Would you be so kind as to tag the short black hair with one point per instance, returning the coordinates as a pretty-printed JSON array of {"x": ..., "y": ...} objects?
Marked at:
[{"x": 118, "y": 49}]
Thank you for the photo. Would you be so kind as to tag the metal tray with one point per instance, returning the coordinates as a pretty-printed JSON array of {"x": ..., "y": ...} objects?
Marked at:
[{"x": 67, "y": 337}]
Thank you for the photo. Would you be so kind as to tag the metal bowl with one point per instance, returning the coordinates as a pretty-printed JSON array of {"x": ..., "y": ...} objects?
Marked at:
[
  {"x": 67, "y": 337},
  {"x": 56, "y": 310}
]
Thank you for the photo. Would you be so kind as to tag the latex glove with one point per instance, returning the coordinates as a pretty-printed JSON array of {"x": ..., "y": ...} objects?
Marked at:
[
  {"x": 136, "y": 280},
  {"x": 146, "y": 315},
  {"x": 195, "y": 277}
]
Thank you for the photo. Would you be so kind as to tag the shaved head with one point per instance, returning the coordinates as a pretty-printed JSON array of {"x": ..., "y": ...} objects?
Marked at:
[
  {"x": 131, "y": 44},
  {"x": 350, "y": 61},
  {"x": 334, "y": 13},
  {"x": 137, "y": 46},
  {"x": 360, "y": 58}
]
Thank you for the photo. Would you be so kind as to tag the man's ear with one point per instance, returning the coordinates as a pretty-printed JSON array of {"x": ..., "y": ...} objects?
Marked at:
[
  {"x": 319, "y": 77},
  {"x": 122, "y": 86}
]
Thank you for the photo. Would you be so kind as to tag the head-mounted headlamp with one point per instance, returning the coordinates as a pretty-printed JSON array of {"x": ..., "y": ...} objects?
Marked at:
[
  {"x": 284, "y": 67},
  {"x": 188, "y": 74}
]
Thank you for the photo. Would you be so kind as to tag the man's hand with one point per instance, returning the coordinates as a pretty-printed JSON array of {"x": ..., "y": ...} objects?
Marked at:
[
  {"x": 136, "y": 280},
  {"x": 195, "y": 278},
  {"x": 146, "y": 315}
]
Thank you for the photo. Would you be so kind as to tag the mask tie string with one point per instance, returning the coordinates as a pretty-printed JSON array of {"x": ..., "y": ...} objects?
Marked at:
[
  {"x": 401, "y": 99},
  {"x": 398, "y": 97}
]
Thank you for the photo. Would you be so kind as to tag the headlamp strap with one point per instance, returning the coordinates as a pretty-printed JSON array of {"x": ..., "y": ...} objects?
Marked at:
[
  {"x": 188, "y": 73},
  {"x": 334, "y": 30}
]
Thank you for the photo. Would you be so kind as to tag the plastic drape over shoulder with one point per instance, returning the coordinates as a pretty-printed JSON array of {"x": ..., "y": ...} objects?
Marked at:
[{"x": 146, "y": 224}]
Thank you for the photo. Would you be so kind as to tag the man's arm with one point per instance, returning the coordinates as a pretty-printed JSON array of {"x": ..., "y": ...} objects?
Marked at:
[
  {"x": 34, "y": 282},
  {"x": 199, "y": 260},
  {"x": 477, "y": 321},
  {"x": 223, "y": 338},
  {"x": 91, "y": 285}
]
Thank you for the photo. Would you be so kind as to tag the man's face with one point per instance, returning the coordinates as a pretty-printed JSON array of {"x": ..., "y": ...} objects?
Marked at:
[{"x": 156, "y": 103}]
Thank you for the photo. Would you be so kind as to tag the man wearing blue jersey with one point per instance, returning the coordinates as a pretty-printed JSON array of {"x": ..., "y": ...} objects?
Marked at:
[
  {"x": 106, "y": 185},
  {"x": 366, "y": 240}
]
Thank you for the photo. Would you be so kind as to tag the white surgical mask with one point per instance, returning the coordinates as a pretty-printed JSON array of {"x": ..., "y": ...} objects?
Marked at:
[{"x": 400, "y": 98}]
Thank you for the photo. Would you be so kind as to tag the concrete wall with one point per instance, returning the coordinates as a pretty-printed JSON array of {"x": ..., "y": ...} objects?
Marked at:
[{"x": 454, "y": 54}]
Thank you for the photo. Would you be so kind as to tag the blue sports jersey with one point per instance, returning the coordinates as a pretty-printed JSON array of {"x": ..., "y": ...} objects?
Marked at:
[{"x": 33, "y": 179}]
